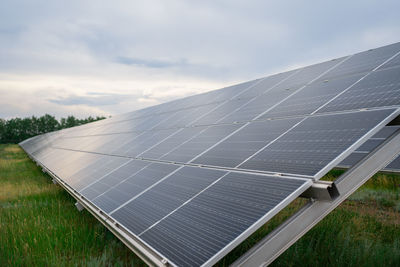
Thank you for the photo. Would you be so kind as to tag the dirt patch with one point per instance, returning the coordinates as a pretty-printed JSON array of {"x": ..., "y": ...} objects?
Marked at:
[{"x": 12, "y": 149}]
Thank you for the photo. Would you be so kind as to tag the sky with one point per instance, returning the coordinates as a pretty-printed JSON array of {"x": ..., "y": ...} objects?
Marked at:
[{"x": 90, "y": 58}]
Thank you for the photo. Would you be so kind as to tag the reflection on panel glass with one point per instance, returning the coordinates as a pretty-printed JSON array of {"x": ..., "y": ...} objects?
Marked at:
[
  {"x": 200, "y": 143},
  {"x": 163, "y": 198},
  {"x": 312, "y": 97},
  {"x": 132, "y": 185},
  {"x": 314, "y": 143},
  {"x": 380, "y": 88},
  {"x": 245, "y": 142},
  {"x": 197, "y": 231}
]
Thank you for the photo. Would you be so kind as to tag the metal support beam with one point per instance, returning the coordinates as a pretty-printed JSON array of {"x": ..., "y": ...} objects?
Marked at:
[
  {"x": 322, "y": 191},
  {"x": 274, "y": 244},
  {"x": 79, "y": 206}
]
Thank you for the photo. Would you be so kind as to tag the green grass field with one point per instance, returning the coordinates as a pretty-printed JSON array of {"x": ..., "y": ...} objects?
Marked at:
[{"x": 40, "y": 226}]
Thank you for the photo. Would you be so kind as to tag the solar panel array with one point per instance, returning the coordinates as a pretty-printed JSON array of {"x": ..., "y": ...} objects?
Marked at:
[{"x": 194, "y": 177}]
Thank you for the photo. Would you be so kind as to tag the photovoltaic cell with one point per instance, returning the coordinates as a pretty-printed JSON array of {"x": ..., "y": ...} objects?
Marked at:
[
  {"x": 264, "y": 84},
  {"x": 273, "y": 95},
  {"x": 144, "y": 142},
  {"x": 220, "y": 112},
  {"x": 185, "y": 117},
  {"x": 379, "y": 89},
  {"x": 172, "y": 142},
  {"x": 317, "y": 141},
  {"x": 312, "y": 97},
  {"x": 370, "y": 145},
  {"x": 245, "y": 142},
  {"x": 394, "y": 165},
  {"x": 114, "y": 178},
  {"x": 163, "y": 198},
  {"x": 66, "y": 163},
  {"x": 95, "y": 171},
  {"x": 205, "y": 225},
  {"x": 234, "y": 91},
  {"x": 132, "y": 185},
  {"x": 352, "y": 159},
  {"x": 200, "y": 143},
  {"x": 364, "y": 62},
  {"x": 395, "y": 62}
]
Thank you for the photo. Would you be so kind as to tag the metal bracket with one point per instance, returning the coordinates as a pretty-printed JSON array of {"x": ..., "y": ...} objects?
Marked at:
[
  {"x": 322, "y": 191},
  {"x": 79, "y": 206},
  {"x": 274, "y": 244},
  {"x": 54, "y": 181}
]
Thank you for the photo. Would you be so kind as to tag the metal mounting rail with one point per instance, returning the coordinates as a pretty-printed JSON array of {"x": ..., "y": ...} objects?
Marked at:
[
  {"x": 322, "y": 191},
  {"x": 280, "y": 239}
]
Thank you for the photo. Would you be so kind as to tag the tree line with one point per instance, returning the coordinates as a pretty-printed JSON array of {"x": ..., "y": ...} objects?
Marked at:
[{"x": 18, "y": 129}]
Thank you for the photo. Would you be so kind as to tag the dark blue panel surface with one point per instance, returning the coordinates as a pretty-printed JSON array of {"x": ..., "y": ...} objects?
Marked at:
[
  {"x": 379, "y": 89},
  {"x": 165, "y": 197},
  {"x": 394, "y": 165},
  {"x": 264, "y": 84},
  {"x": 217, "y": 114},
  {"x": 364, "y": 62},
  {"x": 144, "y": 142},
  {"x": 369, "y": 145},
  {"x": 274, "y": 95},
  {"x": 200, "y": 143},
  {"x": 95, "y": 171},
  {"x": 245, "y": 142},
  {"x": 201, "y": 228},
  {"x": 180, "y": 137},
  {"x": 309, "y": 147},
  {"x": 312, "y": 97},
  {"x": 133, "y": 185},
  {"x": 114, "y": 178}
]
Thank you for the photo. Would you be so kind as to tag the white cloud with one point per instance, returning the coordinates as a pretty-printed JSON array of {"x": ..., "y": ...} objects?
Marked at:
[{"x": 143, "y": 53}]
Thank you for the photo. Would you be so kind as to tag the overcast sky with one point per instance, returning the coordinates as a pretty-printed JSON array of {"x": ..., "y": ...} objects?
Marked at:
[{"x": 109, "y": 57}]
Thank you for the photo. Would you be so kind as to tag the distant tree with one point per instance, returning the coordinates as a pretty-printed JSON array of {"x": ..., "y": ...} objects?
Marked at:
[{"x": 18, "y": 129}]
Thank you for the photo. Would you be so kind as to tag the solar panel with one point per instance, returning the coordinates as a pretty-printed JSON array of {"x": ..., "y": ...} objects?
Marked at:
[
  {"x": 394, "y": 166},
  {"x": 273, "y": 95},
  {"x": 130, "y": 186},
  {"x": 195, "y": 232},
  {"x": 192, "y": 178},
  {"x": 312, "y": 97},
  {"x": 199, "y": 143},
  {"x": 380, "y": 88},
  {"x": 370, "y": 145},
  {"x": 246, "y": 142},
  {"x": 316, "y": 142}
]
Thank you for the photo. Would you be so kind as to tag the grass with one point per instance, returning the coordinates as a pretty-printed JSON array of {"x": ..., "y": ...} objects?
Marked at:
[{"x": 39, "y": 225}]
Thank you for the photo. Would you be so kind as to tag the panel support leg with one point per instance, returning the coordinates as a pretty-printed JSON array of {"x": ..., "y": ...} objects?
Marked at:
[
  {"x": 274, "y": 244},
  {"x": 79, "y": 206}
]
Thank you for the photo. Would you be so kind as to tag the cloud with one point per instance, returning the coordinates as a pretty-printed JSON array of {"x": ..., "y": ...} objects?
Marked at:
[
  {"x": 150, "y": 63},
  {"x": 26, "y": 95},
  {"x": 94, "y": 100},
  {"x": 133, "y": 53}
]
